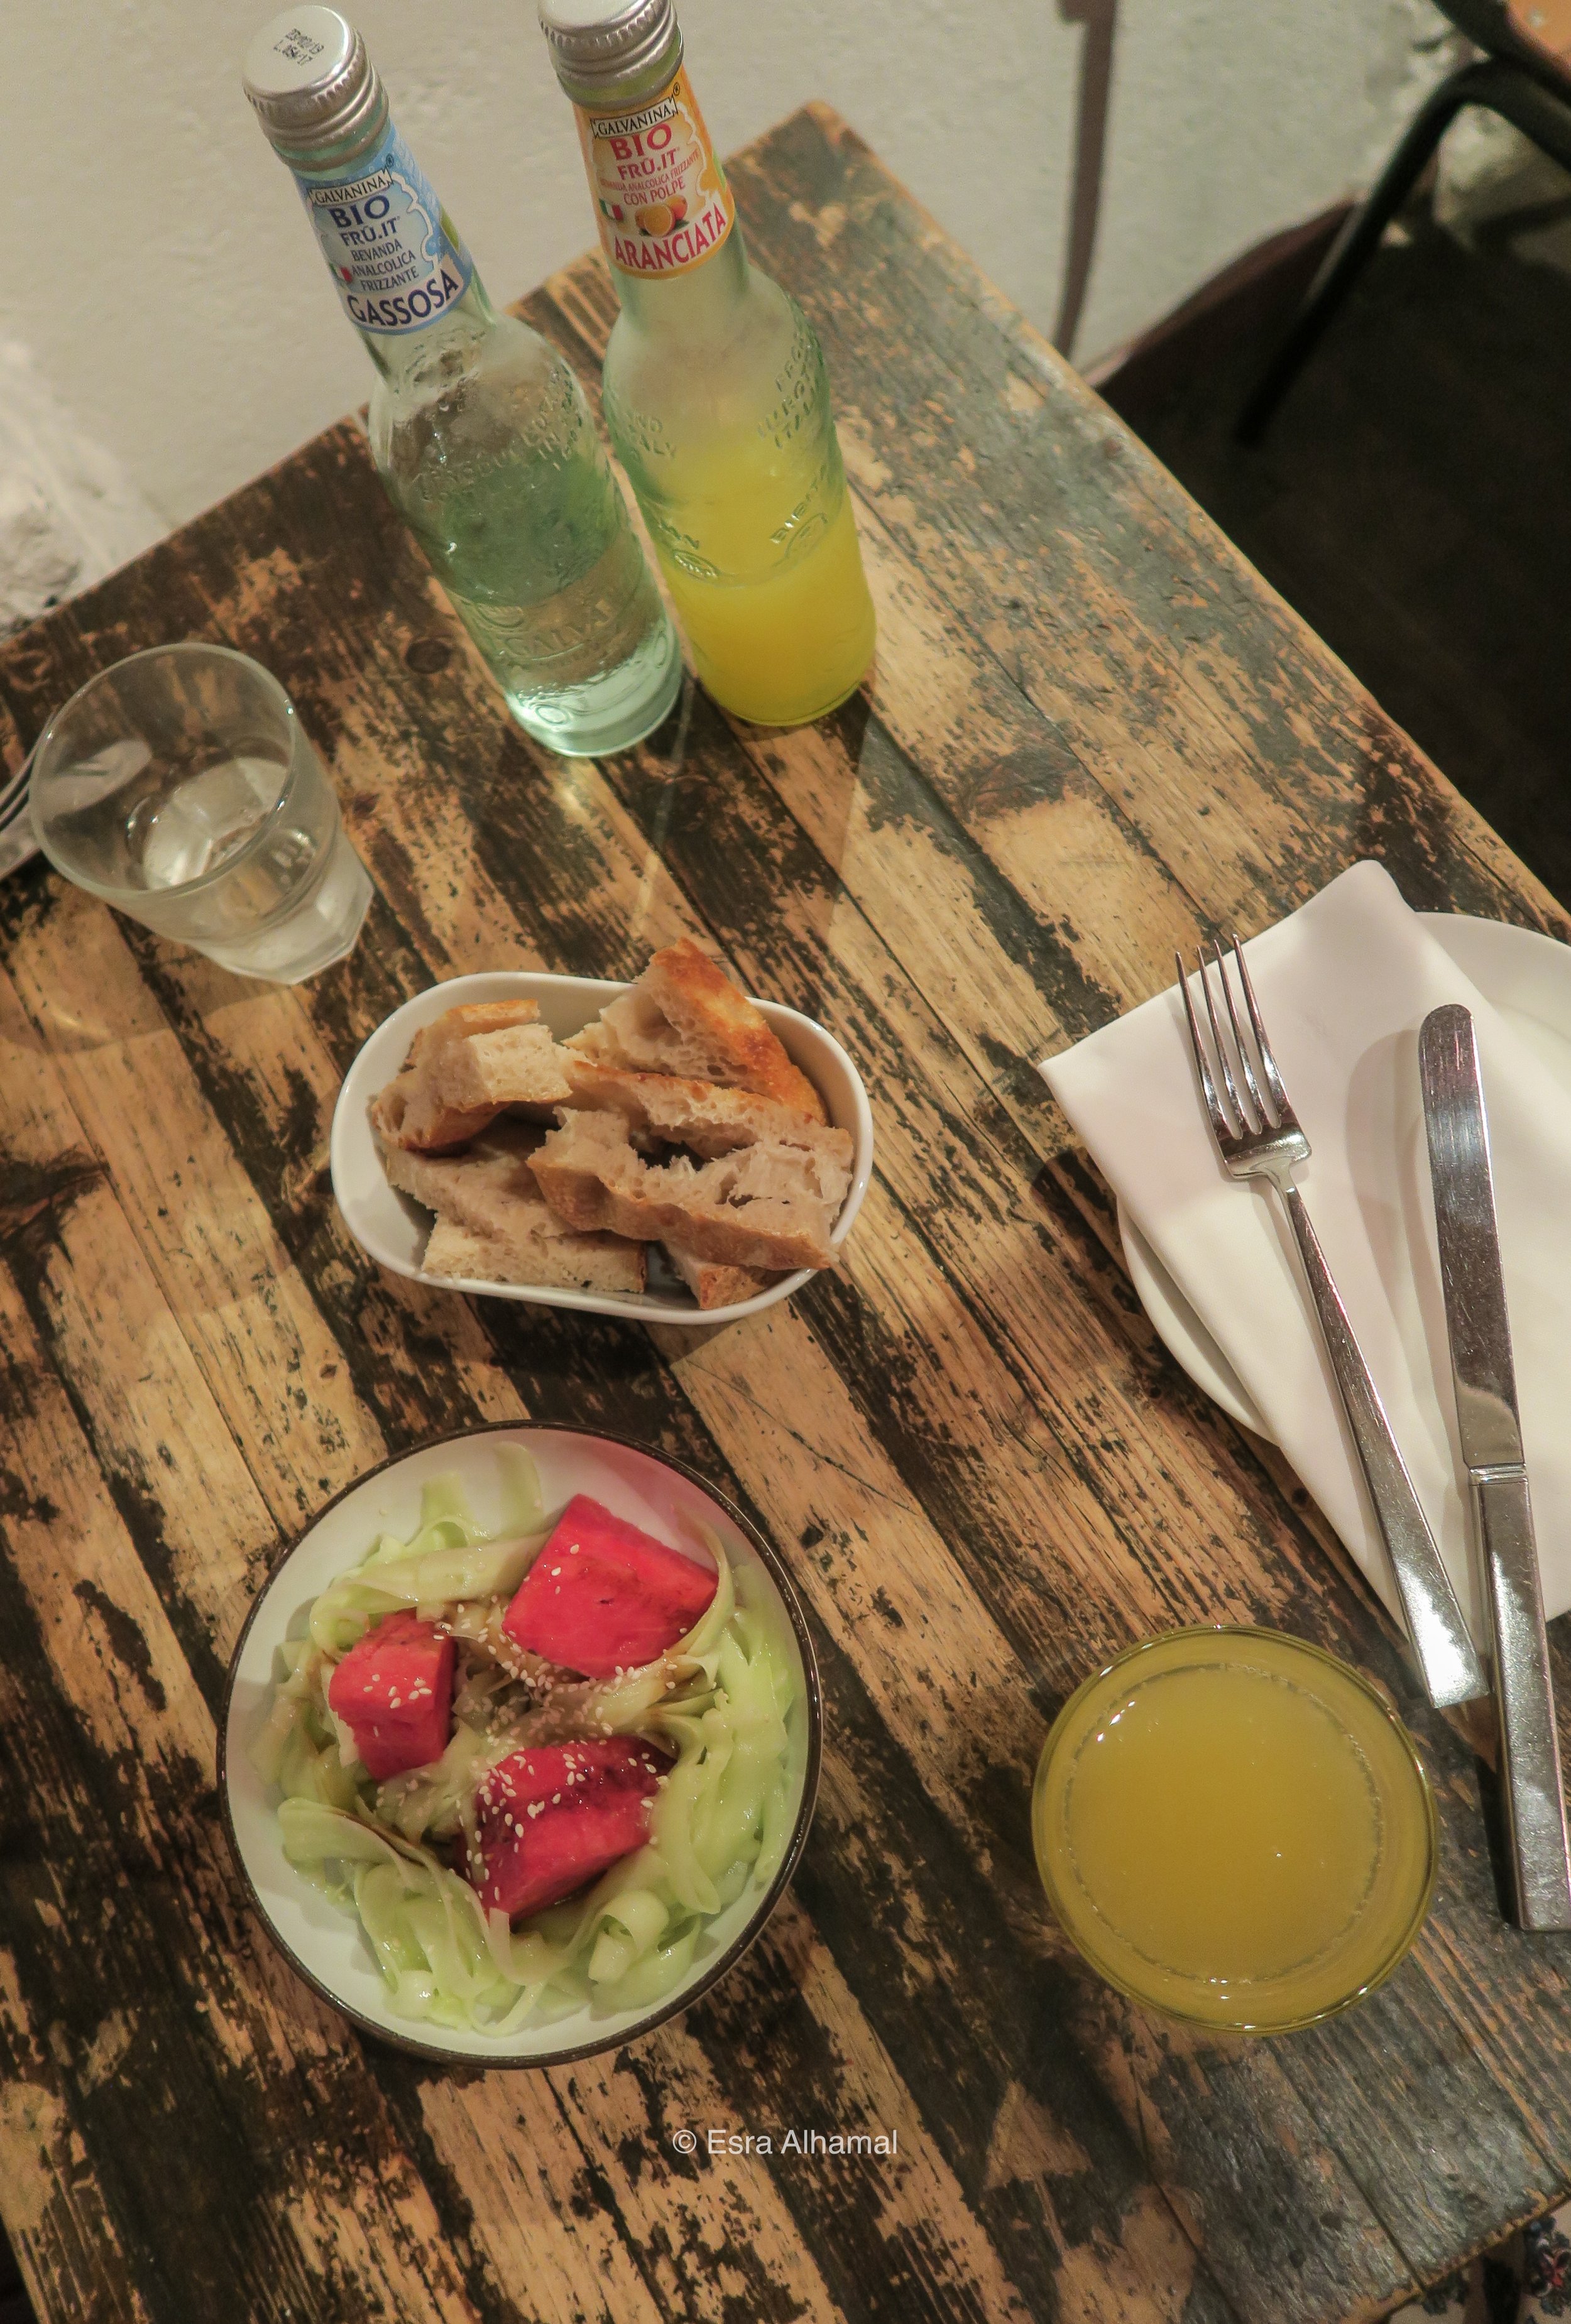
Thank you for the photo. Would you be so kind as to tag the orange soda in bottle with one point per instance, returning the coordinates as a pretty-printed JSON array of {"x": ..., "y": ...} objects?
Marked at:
[{"x": 715, "y": 392}]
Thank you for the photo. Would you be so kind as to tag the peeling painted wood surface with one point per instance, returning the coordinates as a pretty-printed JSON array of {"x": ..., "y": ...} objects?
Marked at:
[{"x": 1093, "y": 733}]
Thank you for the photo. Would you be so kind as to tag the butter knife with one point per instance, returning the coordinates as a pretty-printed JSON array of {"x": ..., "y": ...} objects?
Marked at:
[{"x": 1489, "y": 1429}]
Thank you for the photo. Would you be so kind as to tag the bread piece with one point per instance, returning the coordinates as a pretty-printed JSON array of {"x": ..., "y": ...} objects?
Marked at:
[
  {"x": 455, "y": 1250},
  {"x": 769, "y": 1204},
  {"x": 492, "y": 1223},
  {"x": 667, "y": 1109},
  {"x": 717, "y": 1287},
  {"x": 461, "y": 1072},
  {"x": 685, "y": 1016}
]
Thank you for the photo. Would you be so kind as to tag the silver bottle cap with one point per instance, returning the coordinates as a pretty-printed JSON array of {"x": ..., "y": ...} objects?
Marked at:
[
  {"x": 311, "y": 82},
  {"x": 605, "y": 41}
]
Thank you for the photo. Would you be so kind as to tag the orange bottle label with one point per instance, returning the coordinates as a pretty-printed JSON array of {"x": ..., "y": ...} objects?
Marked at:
[{"x": 663, "y": 202}]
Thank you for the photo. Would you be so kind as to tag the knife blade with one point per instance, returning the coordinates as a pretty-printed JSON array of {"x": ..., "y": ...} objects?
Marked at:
[{"x": 1489, "y": 1427}]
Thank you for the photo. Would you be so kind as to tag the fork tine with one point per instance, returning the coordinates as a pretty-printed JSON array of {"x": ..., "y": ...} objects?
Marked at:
[
  {"x": 1219, "y": 1124},
  {"x": 1273, "y": 1080},
  {"x": 1262, "y": 1111},
  {"x": 1245, "y": 1119}
]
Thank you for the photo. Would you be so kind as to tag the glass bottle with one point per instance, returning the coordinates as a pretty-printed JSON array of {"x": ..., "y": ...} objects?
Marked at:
[
  {"x": 478, "y": 429},
  {"x": 714, "y": 392}
]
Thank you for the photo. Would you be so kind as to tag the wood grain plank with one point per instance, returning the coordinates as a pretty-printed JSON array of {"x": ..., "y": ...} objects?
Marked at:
[
  {"x": 870, "y": 1583},
  {"x": 1178, "y": 679},
  {"x": 677, "y": 2241},
  {"x": 268, "y": 1362},
  {"x": 66, "y": 2256},
  {"x": 178, "y": 1480},
  {"x": 127, "y": 1918},
  {"x": 1134, "y": 595}
]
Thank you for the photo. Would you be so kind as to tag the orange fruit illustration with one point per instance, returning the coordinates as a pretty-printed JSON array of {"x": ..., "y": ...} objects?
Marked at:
[{"x": 660, "y": 216}]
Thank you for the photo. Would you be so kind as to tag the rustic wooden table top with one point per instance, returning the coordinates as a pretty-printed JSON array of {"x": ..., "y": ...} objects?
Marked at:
[{"x": 1094, "y": 735}]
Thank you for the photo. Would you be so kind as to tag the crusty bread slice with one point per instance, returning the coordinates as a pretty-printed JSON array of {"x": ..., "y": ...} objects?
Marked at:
[
  {"x": 455, "y": 1250},
  {"x": 685, "y": 1016},
  {"x": 462, "y": 1069},
  {"x": 404, "y": 1114},
  {"x": 670, "y": 1111},
  {"x": 518, "y": 1065},
  {"x": 769, "y": 1204},
  {"x": 492, "y": 1223},
  {"x": 717, "y": 1287},
  {"x": 413, "y": 1110}
]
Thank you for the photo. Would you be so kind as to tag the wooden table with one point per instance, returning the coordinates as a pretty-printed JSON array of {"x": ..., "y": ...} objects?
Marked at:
[{"x": 1094, "y": 735}]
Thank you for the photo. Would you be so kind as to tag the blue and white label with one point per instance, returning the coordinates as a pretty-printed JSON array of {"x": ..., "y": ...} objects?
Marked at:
[{"x": 393, "y": 255}]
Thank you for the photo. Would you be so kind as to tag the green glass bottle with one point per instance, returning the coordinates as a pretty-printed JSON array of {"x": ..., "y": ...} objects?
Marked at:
[
  {"x": 715, "y": 387},
  {"x": 478, "y": 429}
]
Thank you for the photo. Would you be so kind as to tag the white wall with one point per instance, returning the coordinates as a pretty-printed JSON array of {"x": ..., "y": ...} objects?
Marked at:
[{"x": 161, "y": 269}]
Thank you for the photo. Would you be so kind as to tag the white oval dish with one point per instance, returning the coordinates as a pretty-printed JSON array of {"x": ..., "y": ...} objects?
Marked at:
[
  {"x": 393, "y": 1228},
  {"x": 324, "y": 1944}
]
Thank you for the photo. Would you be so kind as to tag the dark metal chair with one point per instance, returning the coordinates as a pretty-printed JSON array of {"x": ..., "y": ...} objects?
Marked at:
[{"x": 1524, "y": 76}]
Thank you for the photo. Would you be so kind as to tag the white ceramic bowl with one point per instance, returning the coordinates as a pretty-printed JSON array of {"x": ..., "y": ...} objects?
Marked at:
[
  {"x": 393, "y": 1228},
  {"x": 326, "y": 1945}
]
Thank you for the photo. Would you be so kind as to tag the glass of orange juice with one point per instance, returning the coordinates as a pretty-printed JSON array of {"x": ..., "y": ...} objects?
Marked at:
[{"x": 1235, "y": 1828}]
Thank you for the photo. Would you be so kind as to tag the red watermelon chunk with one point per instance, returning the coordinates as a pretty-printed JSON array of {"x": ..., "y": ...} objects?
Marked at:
[
  {"x": 603, "y": 1597},
  {"x": 394, "y": 1690},
  {"x": 554, "y": 1816}
]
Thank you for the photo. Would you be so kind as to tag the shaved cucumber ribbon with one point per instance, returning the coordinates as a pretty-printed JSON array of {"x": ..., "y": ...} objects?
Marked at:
[
  {"x": 449, "y": 1556},
  {"x": 727, "y": 1699}
]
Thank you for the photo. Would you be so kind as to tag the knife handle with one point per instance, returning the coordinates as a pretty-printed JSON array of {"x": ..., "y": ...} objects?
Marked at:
[
  {"x": 1448, "y": 1661},
  {"x": 1529, "y": 1749}
]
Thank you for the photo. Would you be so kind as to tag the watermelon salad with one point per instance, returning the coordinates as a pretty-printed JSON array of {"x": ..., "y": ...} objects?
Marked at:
[{"x": 537, "y": 1763}]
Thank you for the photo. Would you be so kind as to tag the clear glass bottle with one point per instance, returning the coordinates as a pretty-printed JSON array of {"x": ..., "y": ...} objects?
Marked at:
[
  {"x": 478, "y": 429},
  {"x": 714, "y": 392}
]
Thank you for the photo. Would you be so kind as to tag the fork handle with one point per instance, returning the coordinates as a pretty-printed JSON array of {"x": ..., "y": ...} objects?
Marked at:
[{"x": 1448, "y": 1660}]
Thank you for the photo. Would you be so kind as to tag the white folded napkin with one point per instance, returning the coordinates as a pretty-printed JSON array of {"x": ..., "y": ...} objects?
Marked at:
[{"x": 1343, "y": 985}]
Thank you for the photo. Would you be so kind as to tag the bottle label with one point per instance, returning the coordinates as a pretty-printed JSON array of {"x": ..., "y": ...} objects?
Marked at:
[
  {"x": 664, "y": 205},
  {"x": 390, "y": 245}
]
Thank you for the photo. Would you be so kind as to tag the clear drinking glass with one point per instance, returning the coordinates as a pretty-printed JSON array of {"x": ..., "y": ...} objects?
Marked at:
[{"x": 179, "y": 787}]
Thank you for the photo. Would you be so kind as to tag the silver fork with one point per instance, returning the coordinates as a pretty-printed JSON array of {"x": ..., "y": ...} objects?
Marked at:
[
  {"x": 17, "y": 841},
  {"x": 1258, "y": 1138}
]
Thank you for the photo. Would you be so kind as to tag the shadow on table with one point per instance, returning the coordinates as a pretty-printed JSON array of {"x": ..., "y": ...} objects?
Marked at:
[{"x": 16, "y": 2308}]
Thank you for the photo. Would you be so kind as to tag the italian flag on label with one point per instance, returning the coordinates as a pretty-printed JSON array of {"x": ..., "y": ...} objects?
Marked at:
[{"x": 661, "y": 197}]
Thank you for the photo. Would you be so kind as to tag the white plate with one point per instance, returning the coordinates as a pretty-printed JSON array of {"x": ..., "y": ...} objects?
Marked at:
[
  {"x": 324, "y": 1944},
  {"x": 393, "y": 1228},
  {"x": 1527, "y": 976}
]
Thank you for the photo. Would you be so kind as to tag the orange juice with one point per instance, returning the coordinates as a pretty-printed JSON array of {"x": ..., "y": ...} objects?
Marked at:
[
  {"x": 1233, "y": 1827},
  {"x": 714, "y": 389},
  {"x": 789, "y": 643}
]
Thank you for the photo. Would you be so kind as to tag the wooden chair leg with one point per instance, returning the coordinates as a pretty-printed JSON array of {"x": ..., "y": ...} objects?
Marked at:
[{"x": 1358, "y": 241}]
